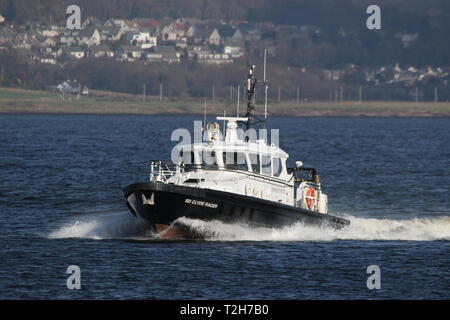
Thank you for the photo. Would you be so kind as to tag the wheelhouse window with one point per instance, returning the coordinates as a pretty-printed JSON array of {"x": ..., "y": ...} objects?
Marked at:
[
  {"x": 187, "y": 157},
  {"x": 277, "y": 167},
  {"x": 209, "y": 159},
  {"x": 234, "y": 160},
  {"x": 254, "y": 162},
  {"x": 266, "y": 165}
]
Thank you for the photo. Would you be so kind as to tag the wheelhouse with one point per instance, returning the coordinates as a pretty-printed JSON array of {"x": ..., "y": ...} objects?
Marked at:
[{"x": 256, "y": 158}]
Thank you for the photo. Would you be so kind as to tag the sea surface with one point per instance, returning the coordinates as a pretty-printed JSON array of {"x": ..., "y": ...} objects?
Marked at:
[{"x": 61, "y": 204}]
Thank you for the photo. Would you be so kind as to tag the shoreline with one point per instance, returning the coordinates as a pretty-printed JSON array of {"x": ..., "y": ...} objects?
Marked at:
[{"x": 20, "y": 101}]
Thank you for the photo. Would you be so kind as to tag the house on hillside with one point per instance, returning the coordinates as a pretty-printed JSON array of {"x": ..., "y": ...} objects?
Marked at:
[
  {"x": 166, "y": 54},
  {"x": 174, "y": 31},
  {"x": 45, "y": 58},
  {"x": 92, "y": 22},
  {"x": 193, "y": 51},
  {"x": 111, "y": 33},
  {"x": 49, "y": 42},
  {"x": 129, "y": 53},
  {"x": 89, "y": 36},
  {"x": 50, "y": 31},
  {"x": 147, "y": 23},
  {"x": 142, "y": 39},
  {"x": 101, "y": 51},
  {"x": 68, "y": 86},
  {"x": 213, "y": 58},
  {"x": 204, "y": 34},
  {"x": 237, "y": 36},
  {"x": 234, "y": 48},
  {"x": 247, "y": 31},
  {"x": 7, "y": 35},
  {"x": 69, "y": 37},
  {"x": 71, "y": 53},
  {"x": 226, "y": 31},
  {"x": 120, "y": 23}
]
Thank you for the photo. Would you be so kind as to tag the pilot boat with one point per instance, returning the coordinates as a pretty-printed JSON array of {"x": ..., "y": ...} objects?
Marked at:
[{"x": 234, "y": 177}]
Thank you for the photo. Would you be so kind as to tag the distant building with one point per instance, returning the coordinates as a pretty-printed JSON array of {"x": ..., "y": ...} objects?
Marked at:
[
  {"x": 111, "y": 33},
  {"x": 194, "y": 51},
  {"x": 50, "y": 31},
  {"x": 225, "y": 31},
  {"x": 92, "y": 22},
  {"x": 214, "y": 38},
  {"x": 85, "y": 91},
  {"x": 101, "y": 51},
  {"x": 123, "y": 25},
  {"x": 69, "y": 37},
  {"x": 237, "y": 36},
  {"x": 205, "y": 34},
  {"x": 166, "y": 54},
  {"x": 71, "y": 52},
  {"x": 89, "y": 36},
  {"x": 46, "y": 58},
  {"x": 213, "y": 58},
  {"x": 142, "y": 39},
  {"x": 2, "y": 19},
  {"x": 148, "y": 23},
  {"x": 234, "y": 48},
  {"x": 68, "y": 86},
  {"x": 174, "y": 31},
  {"x": 130, "y": 53},
  {"x": 49, "y": 42}
]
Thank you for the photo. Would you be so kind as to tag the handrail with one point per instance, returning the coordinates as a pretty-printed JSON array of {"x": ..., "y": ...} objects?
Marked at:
[{"x": 164, "y": 170}]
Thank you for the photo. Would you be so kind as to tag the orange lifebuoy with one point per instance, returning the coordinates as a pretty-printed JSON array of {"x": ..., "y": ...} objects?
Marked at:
[{"x": 310, "y": 197}]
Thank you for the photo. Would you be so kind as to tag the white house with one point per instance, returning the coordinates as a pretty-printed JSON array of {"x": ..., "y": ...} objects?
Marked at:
[
  {"x": 47, "y": 58},
  {"x": 142, "y": 39},
  {"x": 214, "y": 38},
  {"x": 214, "y": 58},
  {"x": 89, "y": 36},
  {"x": 204, "y": 34},
  {"x": 234, "y": 48},
  {"x": 174, "y": 31}
]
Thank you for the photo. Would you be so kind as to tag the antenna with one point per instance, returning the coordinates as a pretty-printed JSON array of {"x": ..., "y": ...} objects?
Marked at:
[
  {"x": 266, "y": 87},
  {"x": 204, "y": 117},
  {"x": 265, "y": 65},
  {"x": 224, "y": 115},
  {"x": 238, "y": 100}
]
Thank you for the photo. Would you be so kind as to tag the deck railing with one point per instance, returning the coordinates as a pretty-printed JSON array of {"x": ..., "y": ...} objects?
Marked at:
[{"x": 162, "y": 171}]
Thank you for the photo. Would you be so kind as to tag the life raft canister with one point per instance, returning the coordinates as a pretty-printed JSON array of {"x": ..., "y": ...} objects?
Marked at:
[{"x": 310, "y": 197}]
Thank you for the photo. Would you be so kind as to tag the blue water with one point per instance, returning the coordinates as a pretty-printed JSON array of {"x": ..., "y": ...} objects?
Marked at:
[{"x": 61, "y": 204}]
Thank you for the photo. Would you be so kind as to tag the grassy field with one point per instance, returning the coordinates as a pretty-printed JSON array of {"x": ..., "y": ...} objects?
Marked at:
[{"x": 27, "y": 101}]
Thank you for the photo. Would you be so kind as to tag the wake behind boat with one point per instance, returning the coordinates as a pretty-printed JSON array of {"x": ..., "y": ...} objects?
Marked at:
[{"x": 237, "y": 177}]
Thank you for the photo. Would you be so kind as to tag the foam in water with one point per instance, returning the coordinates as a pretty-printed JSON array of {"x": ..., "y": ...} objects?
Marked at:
[
  {"x": 124, "y": 226},
  {"x": 119, "y": 225},
  {"x": 420, "y": 229}
]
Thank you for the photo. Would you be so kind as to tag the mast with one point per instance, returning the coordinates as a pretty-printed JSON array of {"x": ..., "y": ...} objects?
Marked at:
[
  {"x": 251, "y": 83},
  {"x": 250, "y": 88},
  {"x": 266, "y": 87}
]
